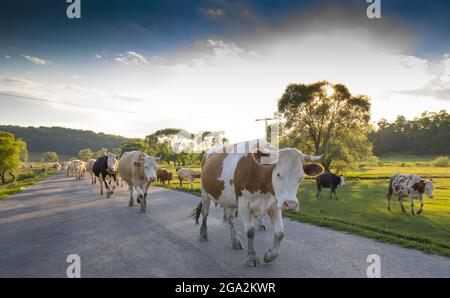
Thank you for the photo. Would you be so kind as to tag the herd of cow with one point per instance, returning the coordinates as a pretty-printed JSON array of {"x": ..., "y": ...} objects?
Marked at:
[{"x": 249, "y": 179}]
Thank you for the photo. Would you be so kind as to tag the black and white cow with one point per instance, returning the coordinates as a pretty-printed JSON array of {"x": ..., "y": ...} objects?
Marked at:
[
  {"x": 103, "y": 167},
  {"x": 329, "y": 180},
  {"x": 411, "y": 186}
]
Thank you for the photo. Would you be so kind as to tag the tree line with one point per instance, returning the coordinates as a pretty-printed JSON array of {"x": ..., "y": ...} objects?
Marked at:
[
  {"x": 427, "y": 134},
  {"x": 64, "y": 141}
]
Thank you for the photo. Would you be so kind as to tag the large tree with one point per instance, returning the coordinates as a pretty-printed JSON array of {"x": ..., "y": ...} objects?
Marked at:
[
  {"x": 325, "y": 118},
  {"x": 11, "y": 152},
  {"x": 49, "y": 157},
  {"x": 85, "y": 154}
]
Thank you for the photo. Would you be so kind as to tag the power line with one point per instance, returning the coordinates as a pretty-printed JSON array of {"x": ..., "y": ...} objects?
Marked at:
[{"x": 73, "y": 104}]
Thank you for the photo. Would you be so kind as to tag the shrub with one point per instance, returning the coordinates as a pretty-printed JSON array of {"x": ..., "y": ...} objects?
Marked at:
[
  {"x": 441, "y": 161},
  {"x": 25, "y": 175}
]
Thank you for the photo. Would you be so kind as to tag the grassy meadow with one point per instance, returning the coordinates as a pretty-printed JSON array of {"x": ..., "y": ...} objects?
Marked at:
[
  {"x": 361, "y": 204},
  {"x": 27, "y": 175}
]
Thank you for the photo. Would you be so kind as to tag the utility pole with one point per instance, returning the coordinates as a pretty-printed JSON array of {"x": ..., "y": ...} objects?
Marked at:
[{"x": 266, "y": 119}]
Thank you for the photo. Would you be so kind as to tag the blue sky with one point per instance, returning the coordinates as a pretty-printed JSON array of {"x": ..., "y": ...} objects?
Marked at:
[{"x": 142, "y": 55}]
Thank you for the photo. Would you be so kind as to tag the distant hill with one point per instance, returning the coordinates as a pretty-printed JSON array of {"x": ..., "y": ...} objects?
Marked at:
[{"x": 64, "y": 141}]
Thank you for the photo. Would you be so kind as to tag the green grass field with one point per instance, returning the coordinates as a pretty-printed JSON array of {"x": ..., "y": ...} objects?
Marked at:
[
  {"x": 361, "y": 207},
  {"x": 25, "y": 176}
]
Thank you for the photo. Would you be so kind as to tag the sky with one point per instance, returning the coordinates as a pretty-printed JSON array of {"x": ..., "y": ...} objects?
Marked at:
[{"x": 132, "y": 67}]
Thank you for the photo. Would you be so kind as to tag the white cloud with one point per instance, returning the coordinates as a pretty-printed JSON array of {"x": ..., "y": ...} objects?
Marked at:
[
  {"x": 97, "y": 56},
  {"x": 16, "y": 81},
  {"x": 214, "y": 12},
  {"x": 7, "y": 57},
  {"x": 131, "y": 57},
  {"x": 35, "y": 60}
]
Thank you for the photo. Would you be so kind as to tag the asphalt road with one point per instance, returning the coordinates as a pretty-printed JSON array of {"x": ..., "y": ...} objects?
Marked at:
[{"x": 48, "y": 221}]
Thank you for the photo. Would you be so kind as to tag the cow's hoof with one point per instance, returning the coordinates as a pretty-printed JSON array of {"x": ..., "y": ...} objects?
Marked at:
[
  {"x": 261, "y": 227},
  {"x": 130, "y": 205},
  {"x": 236, "y": 244},
  {"x": 203, "y": 237},
  {"x": 253, "y": 261},
  {"x": 419, "y": 212},
  {"x": 269, "y": 256},
  {"x": 412, "y": 213}
]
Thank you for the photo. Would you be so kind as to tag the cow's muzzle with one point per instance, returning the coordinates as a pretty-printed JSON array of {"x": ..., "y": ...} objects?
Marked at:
[{"x": 290, "y": 206}]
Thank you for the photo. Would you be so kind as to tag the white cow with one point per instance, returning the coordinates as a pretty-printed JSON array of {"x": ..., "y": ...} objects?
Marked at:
[
  {"x": 77, "y": 169},
  {"x": 89, "y": 169},
  {"x": 138, "y": 170},
  {"x": 186, "y": 174}
]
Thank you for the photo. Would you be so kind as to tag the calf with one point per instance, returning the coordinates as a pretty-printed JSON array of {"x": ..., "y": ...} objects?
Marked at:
[
  {"x": 106, "y": 166},
  {"x": 328, "y": 180},
  {"x": 411, "y": 186},
  {"x": 163, "y": 175}
]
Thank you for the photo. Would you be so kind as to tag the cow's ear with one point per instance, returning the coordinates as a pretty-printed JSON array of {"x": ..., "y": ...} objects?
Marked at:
[
  {"x": 137, "y": 163},
  {"x": 313, "y": 169}
]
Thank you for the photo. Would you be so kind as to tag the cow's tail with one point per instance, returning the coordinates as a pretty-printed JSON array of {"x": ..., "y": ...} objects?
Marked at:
[{"x": 197, "y": 211}]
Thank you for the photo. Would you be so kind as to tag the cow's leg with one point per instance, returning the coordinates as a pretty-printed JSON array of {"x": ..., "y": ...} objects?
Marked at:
[
  {"x": 100, "y": 178},
  {"x": 335, "y": 195},
  {"x": 277, "y": 221},
  {"x": 411, "y": 202},
  {"x": 181, "y": 182},
  {"x": 140, "y": 198},
  {"x": 421, "y": 204},
  {"x": 206, "y": 202},
  {"x": 113, "y": 184},
  {"x": 146, "y": 186},
  {"x": 401, "y": 203},
  {"x": 107, "y": 186},
  {"x": 229, "y": 214},
  {"x": 389, "y": 197},
  {"x": 260, "y": 224},
  {"x": 246, "y": 216},
  {"x": 131, "y": 203},
  {"x": 225, "y": 219}
]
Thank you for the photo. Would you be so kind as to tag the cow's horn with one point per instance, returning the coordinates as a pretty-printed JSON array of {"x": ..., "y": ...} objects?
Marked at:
[{"x": 312, "y": 157}]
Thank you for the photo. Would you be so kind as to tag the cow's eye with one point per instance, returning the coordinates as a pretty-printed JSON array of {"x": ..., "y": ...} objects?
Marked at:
[{"x": 278, "y": 174}]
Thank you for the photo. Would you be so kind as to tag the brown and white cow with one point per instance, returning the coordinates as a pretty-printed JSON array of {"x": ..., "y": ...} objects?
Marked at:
[
  {"x": 186, "y": 174},
  {"x": 411, "y": 186},
  {"x": 57, "y": 166},
  {"x": 242, "y": 181},
  {"x": 89, "y": 169},
  {"x": 138, "y": 170}
]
